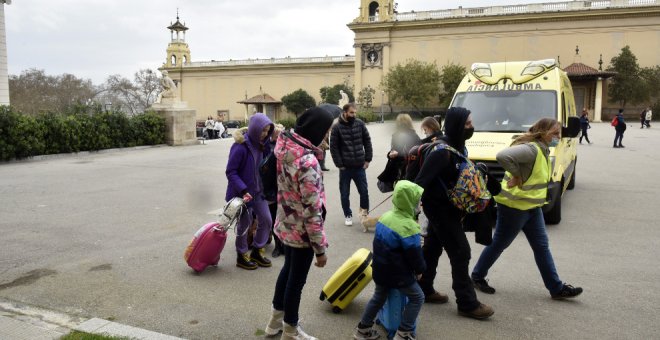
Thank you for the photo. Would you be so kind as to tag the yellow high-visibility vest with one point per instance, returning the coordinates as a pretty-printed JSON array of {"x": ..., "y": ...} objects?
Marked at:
[{"x": 531, "y": 194}]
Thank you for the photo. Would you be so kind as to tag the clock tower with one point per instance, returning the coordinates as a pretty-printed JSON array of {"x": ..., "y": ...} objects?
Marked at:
[{"x": 178, "y": 52}]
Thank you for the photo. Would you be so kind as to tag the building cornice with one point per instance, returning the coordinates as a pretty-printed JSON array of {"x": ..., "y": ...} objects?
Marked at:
[
  {"x": 510, "y": 19},
  {"x": 260, "y": 67}
]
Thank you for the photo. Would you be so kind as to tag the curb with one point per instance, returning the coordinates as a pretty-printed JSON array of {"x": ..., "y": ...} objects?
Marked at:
[{"x": 22, "y": 322}]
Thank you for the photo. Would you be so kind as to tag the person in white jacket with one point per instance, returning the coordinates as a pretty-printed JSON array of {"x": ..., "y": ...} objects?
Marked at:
[
  {"x": 219, "y": 129},
  {"x": 649, "y": 116}
]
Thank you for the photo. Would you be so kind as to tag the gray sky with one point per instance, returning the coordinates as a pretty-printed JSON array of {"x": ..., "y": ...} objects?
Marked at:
[{"x": 95, "y": 38}]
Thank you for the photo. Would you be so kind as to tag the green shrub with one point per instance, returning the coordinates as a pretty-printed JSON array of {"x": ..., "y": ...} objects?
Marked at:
[
  {"x": 24, "y": 136},
  {"x": 21, "y": 136},
  {"x": 288, "y": 122},
  {"x": 367, "y": 116},
  {"x": 148, "y": 128}
]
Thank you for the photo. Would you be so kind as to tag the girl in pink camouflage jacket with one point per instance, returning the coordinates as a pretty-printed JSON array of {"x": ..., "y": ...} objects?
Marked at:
[{"x": 300, "y": 215}]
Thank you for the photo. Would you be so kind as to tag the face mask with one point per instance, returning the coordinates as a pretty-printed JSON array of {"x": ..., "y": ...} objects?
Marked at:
[
  {"x": 467, "y": 133},
  {"x": 554, "y": 142}
]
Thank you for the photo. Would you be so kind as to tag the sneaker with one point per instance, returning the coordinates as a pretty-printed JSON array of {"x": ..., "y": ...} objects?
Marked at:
[
  {"x": 483, "y": 286},
  {"x": 479, "y": 313},
  {"x": 567, "y": 292},
  {"x": 365, "y": 333},
  {"x": 349, "y": 221},
  {"x": 621, "y": 146},
  {"x": 243, "y": 261},
  {"x": 401, "y": 335},
  {"x": 258, "y": 257},
  {"x": 295, "y": 333},
  {"x": 274, "y": 325},
  {"x": 436, "y": 297}
]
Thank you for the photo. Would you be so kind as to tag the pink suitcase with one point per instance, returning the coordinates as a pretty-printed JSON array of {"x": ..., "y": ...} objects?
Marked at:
[{"x": 205, "y": 248}]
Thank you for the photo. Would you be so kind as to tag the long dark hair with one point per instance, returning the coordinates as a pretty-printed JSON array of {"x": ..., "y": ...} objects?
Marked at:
[{"x": 537, "y": 131}]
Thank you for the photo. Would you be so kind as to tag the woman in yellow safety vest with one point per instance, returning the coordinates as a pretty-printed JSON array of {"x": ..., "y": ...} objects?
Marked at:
[{"x": 524, "y": 191}]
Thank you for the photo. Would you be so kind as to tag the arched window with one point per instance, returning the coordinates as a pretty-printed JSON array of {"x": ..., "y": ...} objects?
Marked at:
[
  {"x": 173, "y": 61},
  {"x": 373, "y": 9}
]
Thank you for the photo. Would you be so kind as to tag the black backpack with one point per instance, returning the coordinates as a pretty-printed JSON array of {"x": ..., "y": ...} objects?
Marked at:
[
  {"x": 268, "y": 173},
  {"x": 416, "y": 157}
]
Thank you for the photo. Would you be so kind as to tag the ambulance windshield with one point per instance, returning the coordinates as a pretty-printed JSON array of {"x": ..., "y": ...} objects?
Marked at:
[{"x": 507, "y": 111}]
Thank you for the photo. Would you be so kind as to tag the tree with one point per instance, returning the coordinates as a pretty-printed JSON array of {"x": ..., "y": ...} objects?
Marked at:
[
  {"x": 34, "y": 91},
  {"x": 331, "y": 94},
  {"x": 298, "y": 101},
  {"x": 627, "y": 85},
  {"x": 451, "y": 77},
  {"x": 132, "y": 96},
  {"x": 366, "y": 96},
  {"x": 413, "y": 84}
]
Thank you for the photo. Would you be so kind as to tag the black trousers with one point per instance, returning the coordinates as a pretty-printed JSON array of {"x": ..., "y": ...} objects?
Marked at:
[
  {"x": 584, "y": 134},
  {"x": 446, "y": 232},
  {"x": 291, "y": 281}
]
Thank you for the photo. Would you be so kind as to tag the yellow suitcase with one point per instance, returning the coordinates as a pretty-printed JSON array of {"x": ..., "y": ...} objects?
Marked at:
[{"x": 348, "y": 281}]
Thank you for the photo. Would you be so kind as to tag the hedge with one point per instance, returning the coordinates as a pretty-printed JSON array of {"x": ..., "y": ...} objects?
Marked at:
[{"x": 23, "y": 136}]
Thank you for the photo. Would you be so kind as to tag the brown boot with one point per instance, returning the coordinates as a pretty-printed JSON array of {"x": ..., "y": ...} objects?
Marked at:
[
  {"x": 436, "y": 297},
  {"x": 480, "y": 313}
]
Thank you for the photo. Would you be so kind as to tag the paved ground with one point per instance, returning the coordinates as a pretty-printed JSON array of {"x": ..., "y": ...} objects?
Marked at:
[{"x": 103, "y": 235}]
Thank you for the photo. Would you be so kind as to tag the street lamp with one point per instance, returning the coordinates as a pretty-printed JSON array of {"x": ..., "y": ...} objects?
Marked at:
[{"x": 382, "y": 103}]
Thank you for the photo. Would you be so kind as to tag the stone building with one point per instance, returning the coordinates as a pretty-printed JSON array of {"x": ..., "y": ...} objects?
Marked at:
[{"x": 384, "y": 37}]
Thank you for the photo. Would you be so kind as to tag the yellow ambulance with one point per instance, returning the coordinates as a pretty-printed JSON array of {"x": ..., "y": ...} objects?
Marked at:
[{"x": 505, "y": 99}]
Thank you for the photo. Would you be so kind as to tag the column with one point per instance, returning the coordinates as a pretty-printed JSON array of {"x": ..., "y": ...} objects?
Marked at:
[{"x": 598, "y": 107}]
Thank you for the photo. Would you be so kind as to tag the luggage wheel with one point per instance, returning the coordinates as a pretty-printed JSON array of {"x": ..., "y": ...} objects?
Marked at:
[{"x": 336, "y": 309}]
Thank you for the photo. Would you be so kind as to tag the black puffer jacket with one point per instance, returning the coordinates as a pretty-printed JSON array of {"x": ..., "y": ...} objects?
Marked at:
[{"x": 350, "y": 144}]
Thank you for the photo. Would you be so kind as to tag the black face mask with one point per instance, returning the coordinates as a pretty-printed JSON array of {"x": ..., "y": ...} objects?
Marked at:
[{"x": 467, "y": 133}]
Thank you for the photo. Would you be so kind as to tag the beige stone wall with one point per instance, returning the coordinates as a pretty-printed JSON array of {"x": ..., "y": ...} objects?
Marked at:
[
  {"x": 537, "y": 34},
  {"x": 210, "y": 89},
  {"x": 514, "y": 37}
]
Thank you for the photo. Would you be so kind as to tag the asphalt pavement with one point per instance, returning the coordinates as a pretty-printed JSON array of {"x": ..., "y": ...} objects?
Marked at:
[{"x": 102, "y": 235}]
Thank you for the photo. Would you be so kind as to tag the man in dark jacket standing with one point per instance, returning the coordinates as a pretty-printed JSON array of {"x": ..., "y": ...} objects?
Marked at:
[
  {"x": 619, "y": 129},
  {"x": 445, "y": 228},
  {"x": 350, "y": 147}
]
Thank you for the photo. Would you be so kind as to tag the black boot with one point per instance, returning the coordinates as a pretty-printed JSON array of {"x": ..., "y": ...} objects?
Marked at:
[
  {"x": 258, "y": 257},
  {"x": 244, "y": 261}
]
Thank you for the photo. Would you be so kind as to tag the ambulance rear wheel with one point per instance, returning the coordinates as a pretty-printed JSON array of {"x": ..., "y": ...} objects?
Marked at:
[
  {"x": 553, "y": 216},
  {"x": 571, "y": 184}
]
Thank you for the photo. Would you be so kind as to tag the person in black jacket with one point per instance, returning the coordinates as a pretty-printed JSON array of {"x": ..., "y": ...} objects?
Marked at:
[
  {"x": 445, "y": 227},
  {"x": 403, "y": 139},
  {"x": 350, "y": 147}
]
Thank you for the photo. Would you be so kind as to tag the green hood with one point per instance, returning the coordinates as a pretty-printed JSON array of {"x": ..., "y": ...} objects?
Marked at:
[
  {"x": 401, "y": 219},
  {"x": 406, "y": 198}
]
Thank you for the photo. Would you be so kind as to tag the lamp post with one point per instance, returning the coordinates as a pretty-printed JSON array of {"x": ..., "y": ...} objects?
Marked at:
[{"x": 382, "y": 103}]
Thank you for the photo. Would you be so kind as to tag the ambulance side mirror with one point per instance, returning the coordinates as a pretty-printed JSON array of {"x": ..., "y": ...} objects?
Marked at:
[{"x": 572, "y": 129}]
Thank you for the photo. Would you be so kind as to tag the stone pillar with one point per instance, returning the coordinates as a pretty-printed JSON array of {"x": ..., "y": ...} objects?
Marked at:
[
  {"x": 598, "y": 107},
  {"x": 180, "y": 128}
]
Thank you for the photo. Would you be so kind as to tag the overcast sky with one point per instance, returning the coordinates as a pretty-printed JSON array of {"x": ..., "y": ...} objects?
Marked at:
[{"x": 95, "y": 38}]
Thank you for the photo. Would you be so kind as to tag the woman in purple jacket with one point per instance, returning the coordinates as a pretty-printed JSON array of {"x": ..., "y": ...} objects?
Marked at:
[{"x": 251, "y": 145}]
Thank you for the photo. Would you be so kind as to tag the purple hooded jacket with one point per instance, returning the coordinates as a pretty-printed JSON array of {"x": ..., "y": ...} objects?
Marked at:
[{"x": 244, "y": 158}]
